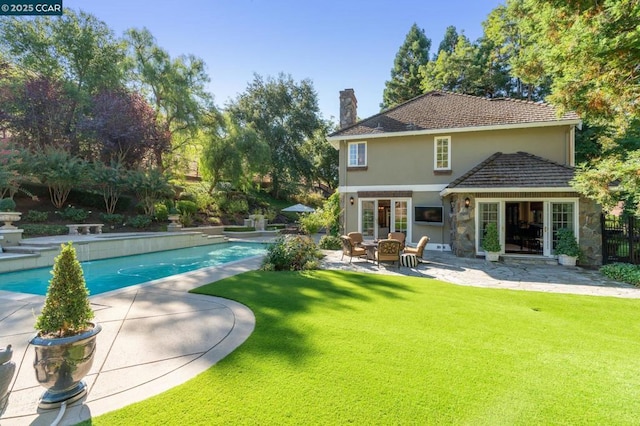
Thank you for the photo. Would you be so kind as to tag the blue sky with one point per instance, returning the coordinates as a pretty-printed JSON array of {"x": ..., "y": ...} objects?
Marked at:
[{"x": 337, "y": 44}]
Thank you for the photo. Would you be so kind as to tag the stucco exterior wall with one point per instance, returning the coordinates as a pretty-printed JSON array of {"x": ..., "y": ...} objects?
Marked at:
[{"x": 409, "y": 160}]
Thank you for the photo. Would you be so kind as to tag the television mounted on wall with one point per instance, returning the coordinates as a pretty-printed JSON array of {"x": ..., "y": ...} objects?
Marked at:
[{"x": 428, "y": 215}]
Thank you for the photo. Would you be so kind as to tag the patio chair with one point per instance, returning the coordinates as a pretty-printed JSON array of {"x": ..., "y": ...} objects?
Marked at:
[
  {"x": 350, "y": 249},
  {"x": 388, "y": 251},
  {"x": 419, "y": 249},
  {"x": 397, "y": 236},
  {"x": 356, "y": 238}
]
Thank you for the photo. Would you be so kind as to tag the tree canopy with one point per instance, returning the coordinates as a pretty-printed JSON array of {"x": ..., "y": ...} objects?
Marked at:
[
  {"x": 284, "y": 113},
  {"x": 405, "y": 76}
]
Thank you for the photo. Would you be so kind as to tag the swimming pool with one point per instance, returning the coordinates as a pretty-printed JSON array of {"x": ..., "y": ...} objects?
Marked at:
[{"x": 118, "y": 272}]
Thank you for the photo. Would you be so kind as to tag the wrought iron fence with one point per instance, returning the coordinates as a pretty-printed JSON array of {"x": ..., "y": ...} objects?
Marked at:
[{"x": 620, "y": 239}]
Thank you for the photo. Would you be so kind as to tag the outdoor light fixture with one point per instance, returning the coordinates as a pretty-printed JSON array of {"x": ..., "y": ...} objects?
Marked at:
[
  {"x": 351, "y": 200},
  {"x": 467, "y": 202}
]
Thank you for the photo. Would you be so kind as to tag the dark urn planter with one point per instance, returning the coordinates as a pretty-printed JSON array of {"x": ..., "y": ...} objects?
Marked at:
[{"x": 61, "y": 364}]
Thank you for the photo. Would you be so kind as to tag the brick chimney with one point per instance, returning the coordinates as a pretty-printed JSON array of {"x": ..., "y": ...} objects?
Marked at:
[{"x": 348, "y": 108}]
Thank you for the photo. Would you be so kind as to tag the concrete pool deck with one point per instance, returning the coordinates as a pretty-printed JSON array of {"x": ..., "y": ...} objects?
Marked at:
[{"x": 157, "y": 336}]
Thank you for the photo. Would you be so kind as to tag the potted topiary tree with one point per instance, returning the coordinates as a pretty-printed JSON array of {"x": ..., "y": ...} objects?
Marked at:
[
  {"x": 491, "y": 243},
  {"x": 66, "y": 340},
  {"x": 567, "y": 247},
  {"x": 8, "y": 213}
]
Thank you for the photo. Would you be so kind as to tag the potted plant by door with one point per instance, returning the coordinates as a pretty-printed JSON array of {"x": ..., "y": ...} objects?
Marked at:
[
  {"x": 567, "y": 247},
  {"x": 65, "y": 343},
  {"x": 491, "y": 243}
]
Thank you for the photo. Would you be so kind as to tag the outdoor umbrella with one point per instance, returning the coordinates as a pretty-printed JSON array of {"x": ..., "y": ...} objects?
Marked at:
[{"x": 299, "y": 208}]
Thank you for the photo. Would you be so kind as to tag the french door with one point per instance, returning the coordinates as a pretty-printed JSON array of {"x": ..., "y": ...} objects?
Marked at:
[
  {"x": 526, "y": 226},
  {"x": 378, "y": 217}
]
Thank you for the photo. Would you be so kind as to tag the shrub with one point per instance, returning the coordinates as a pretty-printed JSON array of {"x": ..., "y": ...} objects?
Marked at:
[
  {"x": 36, "y": 216},
  {"x": 311, "y": 223},
  {"x": 187, "y": 196},
  {"x": 38, "y": 230},
  {"x": 624, "y": 272},
  {"x": 66, "y": 309},
  {"x": 330, "y": 242},
  {"x": 7, "y": 205},
  {"x": 292, "y": 253},
  {"x": 491, "y": 241},
  {"x": 236, "y": 207},
  {"x": 161, "y": 212},
  {"x": 187, "y": 207},
  {"x": 567, "y": 243},
  {"x": 140, "y": 208},
  {"x": 112, "y": 218},
  {"x": 140, "y": 221},
  {"x": 214, "y": 220},
  {"x": 239, "y": 228},
  {"x": 74, "y": 215}
]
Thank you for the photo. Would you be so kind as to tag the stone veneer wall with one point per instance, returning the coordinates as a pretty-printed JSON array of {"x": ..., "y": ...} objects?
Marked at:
[
  {"x": 463, "y": 227},
  {"x": 348, "y": 108},
  {"x": 590, "y": 230}
]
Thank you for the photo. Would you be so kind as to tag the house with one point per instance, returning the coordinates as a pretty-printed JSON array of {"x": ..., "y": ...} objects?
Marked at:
[{"x": 445, "y": 165}]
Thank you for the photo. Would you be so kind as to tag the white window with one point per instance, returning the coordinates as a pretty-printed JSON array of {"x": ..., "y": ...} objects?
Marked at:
[
  {"x": 357, "y": 154},
  {"x": 442, "y": 153}
]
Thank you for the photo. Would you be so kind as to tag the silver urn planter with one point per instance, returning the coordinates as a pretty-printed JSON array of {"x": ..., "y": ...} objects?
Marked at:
[{"x": 61, "y": 364}]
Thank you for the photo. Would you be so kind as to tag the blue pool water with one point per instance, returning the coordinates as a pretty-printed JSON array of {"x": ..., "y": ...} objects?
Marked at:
[{"x": 118, "y": 272}]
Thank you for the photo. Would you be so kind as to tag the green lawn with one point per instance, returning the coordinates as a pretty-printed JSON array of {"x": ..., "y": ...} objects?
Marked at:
[{"x": 333, "y": 347}]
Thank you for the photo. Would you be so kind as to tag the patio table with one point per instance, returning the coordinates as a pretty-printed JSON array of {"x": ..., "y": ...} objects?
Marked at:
[{"x": 371, "y": 246}]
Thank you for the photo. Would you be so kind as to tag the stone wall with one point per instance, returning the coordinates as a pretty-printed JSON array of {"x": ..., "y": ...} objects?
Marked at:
[
  {"x": 590, "y": 231},
  {"x": 463, "y": 227}
]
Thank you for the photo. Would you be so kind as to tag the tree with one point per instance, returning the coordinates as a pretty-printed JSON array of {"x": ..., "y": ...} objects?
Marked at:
[
  {"x": 175, "y": 87},
  {"x": 150, "y": 186},
  {"x": 284, "y": 113},
  {"x": 457, "y": 71},
  {"x": 512, "y": 44},
  {"x": 405, "y": 76},
  {"x": 125, "y": 126},
  {"x": 232, "y": 153},
  {"x": 36, "y": 112},
  {"x": 61, "y": 171},
  {"x": 323, "y": 157},
  {"x": 111, "y": 180},
  {"x": 75, "y": 50},
  {"x": 590, "y": 49},
  {"x": 15, "y": 168},
  {"x": 448, "y": 43}
]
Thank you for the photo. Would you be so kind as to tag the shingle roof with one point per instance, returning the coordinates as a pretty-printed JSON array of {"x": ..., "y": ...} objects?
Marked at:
[
  {"x": 446, "y": 110},
  {"x": 519, "y": 170}
]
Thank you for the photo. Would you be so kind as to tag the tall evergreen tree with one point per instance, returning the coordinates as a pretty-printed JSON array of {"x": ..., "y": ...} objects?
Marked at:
[
  {"x": 448, "y": 43},
  {"x": 405, "y": 75}
]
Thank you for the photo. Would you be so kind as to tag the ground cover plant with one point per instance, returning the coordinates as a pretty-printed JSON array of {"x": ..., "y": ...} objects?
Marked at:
[{"x": 336, "y": 347}]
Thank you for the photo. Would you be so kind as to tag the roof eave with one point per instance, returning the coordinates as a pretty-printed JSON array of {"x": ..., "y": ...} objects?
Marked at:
[
  {"x": 335, "y": 140},
  {"x": 449, "y": 191}
]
